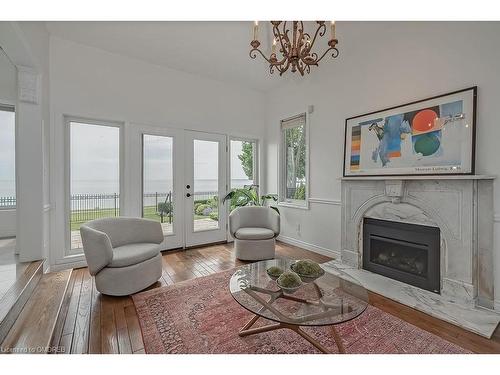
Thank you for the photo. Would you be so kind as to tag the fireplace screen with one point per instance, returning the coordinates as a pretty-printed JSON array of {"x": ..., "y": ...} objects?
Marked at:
[
  {"x": 399, "y": 255},
  {"x": 405, "y": 252}
]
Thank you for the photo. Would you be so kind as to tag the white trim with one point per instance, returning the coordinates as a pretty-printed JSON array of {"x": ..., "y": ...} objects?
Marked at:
[
  {"x": 9, "y": 106},
  {"x": 309, "y": 246},
  {"x": 338, "y": 202},
  {"x": 256, "y": 172},
  {"x": 68, "y": 262},
  {"x": 176, "y": 238},
  {"x": 67, "y": 120},
  {"x": 496, "y": 218},
  {"x": 417, "y": 177},
  {"x": 67, "y": 266},
  {"x": 333, "y": 202},
  {"x": 192, "y": 237},
  {"x": 293, "y": 205}
]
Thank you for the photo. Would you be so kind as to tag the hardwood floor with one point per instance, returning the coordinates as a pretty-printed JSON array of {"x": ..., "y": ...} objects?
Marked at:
[
  {"x": 93, "y": 323},
  {"x": 90, "y": 322},
  {"x": 31, "y": 332}
]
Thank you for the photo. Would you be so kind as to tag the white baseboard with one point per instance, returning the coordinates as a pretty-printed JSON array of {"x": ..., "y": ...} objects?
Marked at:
[
  {"x": 67, "y": 266},
  {"x": 68, "y": 262},
  {"x": 309, "y": 246}
]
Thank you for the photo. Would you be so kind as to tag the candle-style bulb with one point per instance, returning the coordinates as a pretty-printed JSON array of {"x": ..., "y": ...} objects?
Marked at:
[
  {"x": 255, "y": 30},
  {"x": 332, "y": 27},
  {"x": 273, "y": 48}
]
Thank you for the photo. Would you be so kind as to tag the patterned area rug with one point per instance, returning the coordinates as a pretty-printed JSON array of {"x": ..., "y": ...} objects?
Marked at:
[{"x": 201, "y": 316}]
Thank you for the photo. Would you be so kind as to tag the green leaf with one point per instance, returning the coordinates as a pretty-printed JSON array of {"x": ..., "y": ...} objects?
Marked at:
[
  {"x": 275, "y": 209},
  {"x": 229, "y": 195}
]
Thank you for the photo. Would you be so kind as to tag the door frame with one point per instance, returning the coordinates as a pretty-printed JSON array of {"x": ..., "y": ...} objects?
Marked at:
[
  {"x": 176, "y": 239},
  {"x": 256, "y": 174},
  {"x": 67, "y": 120},
  {"x": 192, "y": 238}
]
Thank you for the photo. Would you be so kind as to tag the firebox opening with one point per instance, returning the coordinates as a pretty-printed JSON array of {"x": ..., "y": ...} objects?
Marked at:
[{"x": 406, "y": 252}]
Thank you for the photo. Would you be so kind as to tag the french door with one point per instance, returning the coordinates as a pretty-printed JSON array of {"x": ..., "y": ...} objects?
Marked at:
[
  {"x": 205, "y": 187},
  {"x": 184, "y": 184},
  {"x": 174, "y": 176},
  {"x": 162, "y": 180}
]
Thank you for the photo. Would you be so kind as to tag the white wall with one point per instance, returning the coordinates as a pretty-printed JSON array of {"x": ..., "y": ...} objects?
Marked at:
[
  {"x": 8, "y": 95},
  {"x": 92, "y": 83},
  {"x": 32, "y": 144},
  {"x": 8, "y": 85},
  {"x": 381, "y": 65},
  {"x": 26, "y": 44}
]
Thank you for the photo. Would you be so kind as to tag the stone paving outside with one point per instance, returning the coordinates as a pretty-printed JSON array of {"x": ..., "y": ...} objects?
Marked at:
[{"x": 199, "y": 225}]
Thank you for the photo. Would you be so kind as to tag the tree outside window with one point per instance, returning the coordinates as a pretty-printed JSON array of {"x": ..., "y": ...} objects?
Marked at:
[{"x": 293, "y": 160}]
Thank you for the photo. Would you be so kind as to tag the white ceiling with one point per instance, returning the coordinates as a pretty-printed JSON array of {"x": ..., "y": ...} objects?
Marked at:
[{"x": 217, "y": 50}]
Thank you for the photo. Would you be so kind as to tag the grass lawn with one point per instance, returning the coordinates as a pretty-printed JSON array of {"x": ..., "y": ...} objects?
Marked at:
[{"x": 80, "y": 217}]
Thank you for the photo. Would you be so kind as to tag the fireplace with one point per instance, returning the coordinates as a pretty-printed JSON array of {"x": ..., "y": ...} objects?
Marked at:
[{"x": 406, "y": 252}]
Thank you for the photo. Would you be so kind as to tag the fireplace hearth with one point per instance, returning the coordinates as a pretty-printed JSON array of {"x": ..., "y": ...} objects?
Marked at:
[
  {"x": 462, "y": 208},
  {"x": 406, "y": 252}
]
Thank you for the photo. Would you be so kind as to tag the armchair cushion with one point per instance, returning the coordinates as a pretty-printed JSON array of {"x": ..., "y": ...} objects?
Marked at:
[
  {"x": 97, "y": 248},
  {"x": 254, "y": 217},
  {"x": 127, "y": 255},
  {"x": 127, "y": 230},
  {"x": 253, "y": 233}
]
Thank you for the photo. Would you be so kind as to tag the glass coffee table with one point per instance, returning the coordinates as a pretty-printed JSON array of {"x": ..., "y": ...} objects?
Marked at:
[{"x": 326, "y": 301}]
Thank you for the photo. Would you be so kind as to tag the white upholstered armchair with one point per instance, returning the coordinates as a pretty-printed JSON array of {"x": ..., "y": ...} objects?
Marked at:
[
  {"x": 254, "y": 230},
  {"x": 123, "y": 253}
]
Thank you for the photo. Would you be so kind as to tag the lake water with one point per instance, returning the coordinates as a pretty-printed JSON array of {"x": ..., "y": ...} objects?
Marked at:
[
  {"x": 7, "y": 188},
  {"x": 150, "y": 186},
  {"x": 111, "y": 187}
]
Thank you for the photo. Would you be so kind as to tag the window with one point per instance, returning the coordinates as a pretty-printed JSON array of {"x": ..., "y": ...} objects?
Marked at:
[
  {"x": 243, "y": 163},
  {"x": 205, "y": 185},
  {"x": 293, "y": 184},
  {"x": 94, "y": 174},
  {"x": 157, "y": 183},
  {"x": 243, "y": 171},
  {"x": 7, "y": 157}
]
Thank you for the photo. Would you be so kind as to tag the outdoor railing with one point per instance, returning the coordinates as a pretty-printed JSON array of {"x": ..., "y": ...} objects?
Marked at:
[
  {"x": 85, "y": 207},
  {"x": 7, "y": 202}
]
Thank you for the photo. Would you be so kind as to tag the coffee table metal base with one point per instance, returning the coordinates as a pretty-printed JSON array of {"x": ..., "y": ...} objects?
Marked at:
[{"x": 247, "y": 331}]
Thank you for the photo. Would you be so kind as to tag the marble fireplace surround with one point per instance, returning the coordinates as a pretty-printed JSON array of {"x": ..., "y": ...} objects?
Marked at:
[{"x": 462, "y": 208}]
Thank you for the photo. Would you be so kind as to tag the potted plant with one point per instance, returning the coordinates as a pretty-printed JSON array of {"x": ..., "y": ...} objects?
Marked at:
[{"x": 248, "y": 196}]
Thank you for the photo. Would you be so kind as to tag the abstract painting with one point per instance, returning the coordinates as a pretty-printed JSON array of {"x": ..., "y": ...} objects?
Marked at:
[{"x": 430, "y": 136}]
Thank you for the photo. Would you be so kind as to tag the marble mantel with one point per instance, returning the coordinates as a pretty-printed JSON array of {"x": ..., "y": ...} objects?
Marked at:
[
  {"x": 460, "y": 206},
  {"x": 417, "y": 178}
]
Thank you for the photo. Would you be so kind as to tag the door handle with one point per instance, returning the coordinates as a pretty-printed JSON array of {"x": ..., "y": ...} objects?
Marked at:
[{"x": 188, "y": 195}]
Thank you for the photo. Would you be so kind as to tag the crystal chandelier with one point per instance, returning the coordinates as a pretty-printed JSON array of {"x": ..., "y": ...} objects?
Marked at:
[{"x": 295, "y": 46}]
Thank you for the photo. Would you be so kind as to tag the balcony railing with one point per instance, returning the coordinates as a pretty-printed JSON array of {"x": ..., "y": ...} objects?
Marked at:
[
  {"x": 85, "y": 207},
  {"x": 7, "y": 202}
]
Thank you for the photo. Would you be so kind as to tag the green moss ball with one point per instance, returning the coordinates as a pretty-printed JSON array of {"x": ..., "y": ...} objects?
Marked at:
[
  {"x": 274, "y": 271},
  {"x": 307, "y": 267},
  {"x": 289, "y": 280}
]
